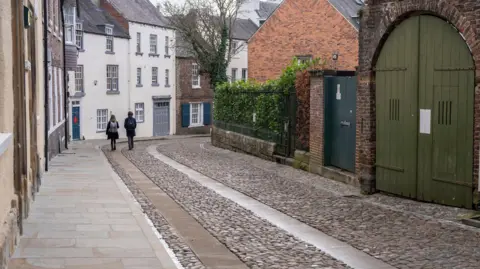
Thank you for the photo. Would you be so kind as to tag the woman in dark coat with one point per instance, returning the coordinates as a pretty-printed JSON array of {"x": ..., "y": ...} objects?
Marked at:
[{"x": 112, "y": 131}]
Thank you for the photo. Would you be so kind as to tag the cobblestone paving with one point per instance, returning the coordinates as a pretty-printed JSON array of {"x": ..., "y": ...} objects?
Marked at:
[
  {"x": 183, "y": 253},
  {"x": 256, "y": 242},
  {"x": 401, "y": 239}
]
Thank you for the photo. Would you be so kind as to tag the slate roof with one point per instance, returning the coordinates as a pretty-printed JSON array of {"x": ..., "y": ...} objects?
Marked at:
[
  {"x": 243, "y": 29},
  {"x": 349, "y": 9},
  {"x": 140, "y": 11},
  {"x": 94, "y": 18},
  {"x": 266, "y": 9}
]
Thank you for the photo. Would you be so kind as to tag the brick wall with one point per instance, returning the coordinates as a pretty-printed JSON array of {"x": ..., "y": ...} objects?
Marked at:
[
  {"x": 379, "y": 17},
  {"x": 185, "y": 93},
  {"x": 316, "y": 121},
  {"x": 312, "y": 27},
  {"x": 114, "y": 13}
]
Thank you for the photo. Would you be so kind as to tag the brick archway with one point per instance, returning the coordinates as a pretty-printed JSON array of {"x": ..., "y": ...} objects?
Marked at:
[{"x": 379, "y": 18}]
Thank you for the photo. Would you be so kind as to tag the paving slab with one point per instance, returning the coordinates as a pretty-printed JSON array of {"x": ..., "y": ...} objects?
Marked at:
[{"x": 85, "y": 217}]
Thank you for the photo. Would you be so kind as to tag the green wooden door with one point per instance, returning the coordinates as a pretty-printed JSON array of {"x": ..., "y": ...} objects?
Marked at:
[
  {"x": 340, "y": 106},
  {"x": 432, "y": 91}
]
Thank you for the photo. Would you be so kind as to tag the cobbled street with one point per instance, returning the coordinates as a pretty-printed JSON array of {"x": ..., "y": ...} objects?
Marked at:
[{"x": 397, "y": 232}]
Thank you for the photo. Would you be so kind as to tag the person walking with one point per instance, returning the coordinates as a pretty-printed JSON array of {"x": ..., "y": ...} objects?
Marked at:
[
  {"x": 112, "y": 131},
  {"x": 130, "y": 125}
]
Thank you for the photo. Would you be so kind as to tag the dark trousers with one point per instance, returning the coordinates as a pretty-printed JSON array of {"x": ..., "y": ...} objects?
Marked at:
[
  {"x": 113, "y": 143},
  {"x": 130, "y": 142}
]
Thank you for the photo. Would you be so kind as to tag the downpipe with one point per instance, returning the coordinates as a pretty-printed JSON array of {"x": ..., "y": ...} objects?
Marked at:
[
  {"x": 65, "y": 91},
  {"x": 46, "y": 81}
]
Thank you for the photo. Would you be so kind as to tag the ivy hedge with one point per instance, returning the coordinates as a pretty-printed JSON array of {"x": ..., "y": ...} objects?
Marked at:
[{"x": 259, "y": 107}]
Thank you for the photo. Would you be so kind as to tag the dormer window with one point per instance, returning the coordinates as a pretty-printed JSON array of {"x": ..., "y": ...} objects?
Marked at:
[
  {"x": 261, "y": 22},
  {"x": 109, "y": 37}
]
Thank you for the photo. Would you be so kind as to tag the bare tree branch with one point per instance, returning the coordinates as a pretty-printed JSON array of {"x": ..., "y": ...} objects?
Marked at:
[{"x": 205, "y": 32}]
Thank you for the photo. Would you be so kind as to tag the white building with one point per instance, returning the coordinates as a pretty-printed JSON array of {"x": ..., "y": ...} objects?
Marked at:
[
  {"x": 99, "y": 87},
  {"x": 251, "y": 16},
  {"x": 126, "y": 63},
  {"x": 152, "y": 66}
]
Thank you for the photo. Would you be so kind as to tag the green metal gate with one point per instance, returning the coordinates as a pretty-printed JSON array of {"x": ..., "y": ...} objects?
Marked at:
[
  {"x": 424, "y": 112},
  {"x": 340, "y": 111}
]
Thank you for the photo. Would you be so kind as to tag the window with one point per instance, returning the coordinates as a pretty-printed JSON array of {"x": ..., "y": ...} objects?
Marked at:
[
  {"x": 234, "y": 75},
  {"x": 109, "y": 32},
  {"x": 234, "y": 46},
  {"x": 79, "y": 78},
  {"x": 69, "y": 14},
  {"x": 139, "y": 44},
  {"x": 195, "y": 76},
  {"x": 261, "y": 22},
  {"x": 139, "y": 76},
  {"x": 304, "y": 59},
  {"x": 167, "y": 52},
  {"x": 167, "y": 80},
  {"x": 153, "y": 44},
  {"x": 154, "y": 75},
  {"x": 139, "y": 112},
  {"x": 244, "y": 74},
  {"x": 102, "y": 119},
  {"x": 112, "y": 77},
  {"x": 79, "y": 34},
  {"x": 196, "y": 114}
]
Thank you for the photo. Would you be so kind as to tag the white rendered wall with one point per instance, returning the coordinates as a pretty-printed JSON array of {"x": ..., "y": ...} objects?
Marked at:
[
  {"x": 239, "y": 60},
  {"x": 145, "y": 93},
  {"x": 95, "y": 61}
]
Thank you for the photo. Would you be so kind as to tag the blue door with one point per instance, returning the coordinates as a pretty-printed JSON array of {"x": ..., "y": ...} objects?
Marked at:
[{"x": 76, "y": 123}]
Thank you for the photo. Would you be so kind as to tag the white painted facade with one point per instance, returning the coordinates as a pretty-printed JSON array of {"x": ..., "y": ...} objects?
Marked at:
[
  {"x": 238, "y": 66},
  {"x": 94, "y": 61},
  {"x": 145, "y": 60}
]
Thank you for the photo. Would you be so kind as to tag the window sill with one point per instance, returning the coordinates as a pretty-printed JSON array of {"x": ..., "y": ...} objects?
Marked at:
[
  {"x": 101, "y": 131},
  {"x": 153, "y": 55},
  {"x": 139, "y": 85},
  {"x": 139, "y": 53},
  {"x": 81, "y": 50},
  {"x": 109, "y": 52},
  {"x": 196, "y": 87},
  {"x": 5, "y": 141},
  {"x": 141, "y": 121},
  {"x": 168, "y": 56},
  {"x": 167, "y": 86},
  {"x": 79, "y": 94},
  {"x": 196, "y": 125},
  {"x": 113, "y": 92},
  {"x": 155, "y": 85}
]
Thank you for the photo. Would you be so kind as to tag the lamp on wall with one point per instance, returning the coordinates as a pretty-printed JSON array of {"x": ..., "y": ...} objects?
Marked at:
[
  {"x": 335, "y": 56},
  {"x": 95, "y": 82}
]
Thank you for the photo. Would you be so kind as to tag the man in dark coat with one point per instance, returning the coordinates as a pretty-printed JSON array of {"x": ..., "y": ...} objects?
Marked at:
[{"x": 130, "y": 125}]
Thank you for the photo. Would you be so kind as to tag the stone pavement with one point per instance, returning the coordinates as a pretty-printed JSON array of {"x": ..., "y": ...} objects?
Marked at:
[{"x": 85, "y": 217}]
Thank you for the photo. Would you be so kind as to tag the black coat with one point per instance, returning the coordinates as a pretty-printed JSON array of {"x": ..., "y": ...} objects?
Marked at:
[
  {"x": 112, "y": 135},
  {"x": 130, "y": 131}
]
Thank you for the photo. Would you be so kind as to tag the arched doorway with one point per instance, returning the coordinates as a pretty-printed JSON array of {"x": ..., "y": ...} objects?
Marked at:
[{"x": 424, "y": 113}]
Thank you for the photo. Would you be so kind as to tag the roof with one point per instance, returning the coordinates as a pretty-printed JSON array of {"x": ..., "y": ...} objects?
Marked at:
[
  {"x": 94, "y": 18},
  {"x": 243, "y": 29},
  {"x": 266, "y": 9},
  {"x": 140, "y": 11},
  {"x": 349, "y": 9}
]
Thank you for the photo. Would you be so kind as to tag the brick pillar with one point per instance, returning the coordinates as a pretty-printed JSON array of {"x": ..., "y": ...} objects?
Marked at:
[{"x": 317, "y": 113}]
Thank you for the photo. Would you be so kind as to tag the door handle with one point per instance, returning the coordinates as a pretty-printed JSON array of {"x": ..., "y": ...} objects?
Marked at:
[{"x": 344, "y": 123}]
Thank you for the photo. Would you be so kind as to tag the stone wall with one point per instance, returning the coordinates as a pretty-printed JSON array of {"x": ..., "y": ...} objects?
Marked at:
[
  {"x": 56, "y": 143},
  {"x": 379, "y": 18},
  {"x": 242, "y": 143},
  {"x": 9, "y": 236}
]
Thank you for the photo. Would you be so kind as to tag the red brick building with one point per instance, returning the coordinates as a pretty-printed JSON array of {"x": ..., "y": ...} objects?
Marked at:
[
  {"x": 310, "y": 29},
  {"x": 440, "y": 110}
]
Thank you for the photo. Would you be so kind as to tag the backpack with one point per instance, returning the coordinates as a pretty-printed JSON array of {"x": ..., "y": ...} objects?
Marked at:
[
  {"x": 130, "y": 124},
  {"x": 113, "y": 127}
]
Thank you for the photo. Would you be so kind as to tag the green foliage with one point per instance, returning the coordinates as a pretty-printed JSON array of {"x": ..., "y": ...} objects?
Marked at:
[{"x": 238, "y": 102}]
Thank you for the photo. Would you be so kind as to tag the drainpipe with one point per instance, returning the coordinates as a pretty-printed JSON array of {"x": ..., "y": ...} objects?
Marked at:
[
  {"x": 65, "y": 98},
  {"x": 45, "y": 77}
]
